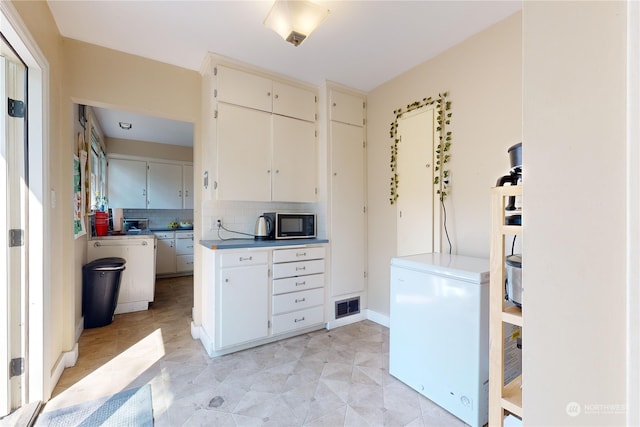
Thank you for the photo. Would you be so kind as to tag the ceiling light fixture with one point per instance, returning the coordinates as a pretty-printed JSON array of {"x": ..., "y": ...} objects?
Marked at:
[
  {"x": 295, "y": 20},
  {"x": 125, "y": 126}
]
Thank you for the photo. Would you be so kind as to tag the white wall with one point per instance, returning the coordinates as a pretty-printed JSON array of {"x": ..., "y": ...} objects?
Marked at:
[
  {"x": 575, "y": 207},
  {"x": 483, "y": 78}
]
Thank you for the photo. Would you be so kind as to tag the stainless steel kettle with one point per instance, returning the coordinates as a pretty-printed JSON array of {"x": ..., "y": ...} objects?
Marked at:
[{"x": 263, "y": 228}]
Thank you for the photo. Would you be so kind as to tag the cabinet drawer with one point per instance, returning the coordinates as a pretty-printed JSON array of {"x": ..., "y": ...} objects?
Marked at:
[
  {"x": 294, "y": 301},
  {"x": 298, "y": 254},
  {"x": 164, "y": 234},
  {"x": 184, "y": 246},
  {"x": 300, "y": 268},
  {"x": 294, "y": 284},
  {"x": 296, "y": 320},
  {"x": 242, "y": 258},
  {"x": 184, "y": 235},
  {"x": 184, "y": 263}
]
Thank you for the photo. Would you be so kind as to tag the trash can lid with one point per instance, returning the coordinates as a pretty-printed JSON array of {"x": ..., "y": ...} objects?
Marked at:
[{"x": 112, "y": 263}]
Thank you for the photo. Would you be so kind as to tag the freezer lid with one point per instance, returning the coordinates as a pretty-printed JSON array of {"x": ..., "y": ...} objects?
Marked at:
[{"x": 461, "y": 267}]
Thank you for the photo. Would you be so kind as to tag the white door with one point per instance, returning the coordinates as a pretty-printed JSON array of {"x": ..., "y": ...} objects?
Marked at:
[
  {"x": 13, "y": 210},
  {"x": 164, "y": 186},
  {"x": 347, "y": 209},
  {"x": 294, "y": 160},
  {"x": 415, "y": 205},
  {"x": 127, "y": 184}
]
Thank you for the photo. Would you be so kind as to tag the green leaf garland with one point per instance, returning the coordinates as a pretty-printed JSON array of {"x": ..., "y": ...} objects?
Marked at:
[{"x": 443, "y": 117}]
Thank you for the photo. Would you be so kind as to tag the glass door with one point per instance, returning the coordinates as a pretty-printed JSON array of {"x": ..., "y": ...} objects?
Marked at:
[{"x": 13, "y": 238}]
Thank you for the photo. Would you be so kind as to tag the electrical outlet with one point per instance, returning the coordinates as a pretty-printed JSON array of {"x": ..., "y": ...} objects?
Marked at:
[{"x": 218, "y": 223}]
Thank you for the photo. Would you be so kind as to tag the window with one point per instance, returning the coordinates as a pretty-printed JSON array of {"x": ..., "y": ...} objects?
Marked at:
[{"x": 98, "y": 167}]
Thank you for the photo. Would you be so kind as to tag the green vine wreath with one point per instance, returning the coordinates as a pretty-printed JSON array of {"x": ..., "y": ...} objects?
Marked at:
[{"x": 443, "y": 112}]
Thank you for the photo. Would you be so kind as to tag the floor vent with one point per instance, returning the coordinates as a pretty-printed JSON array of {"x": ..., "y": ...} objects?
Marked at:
[{"x": 347, "y": 307}]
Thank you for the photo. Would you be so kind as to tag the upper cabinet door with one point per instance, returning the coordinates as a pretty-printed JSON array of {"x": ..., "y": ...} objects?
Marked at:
[
  {"x": 240, "y": 88},
  {"x": 293, "y": 101},
  {"x": 164, "y": 186},
  {"x": 347, "y": 108},
  {"x": 127, "y": 184},
  {"x": 244, "y": 154},
  {"x": 187, "y": 186},
  {"x": 294, "y": 160}
]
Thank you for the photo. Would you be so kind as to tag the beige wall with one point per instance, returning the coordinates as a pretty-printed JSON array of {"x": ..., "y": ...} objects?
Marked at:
[
  {"x": 575, "y": 207},
  {"x": 84, "y": 73},
  {"x": 59, "y": 238},
  {"x": 483, "y": 78},
  {"x": 149, "y": 149}
]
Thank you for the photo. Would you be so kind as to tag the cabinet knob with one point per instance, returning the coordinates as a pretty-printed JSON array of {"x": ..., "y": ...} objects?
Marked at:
[
  {"x": 277, "y": 170},
  {"x": 300, "y": 300},
  {"x": 268, "y": 93},
  {"x": 226, "y": 280},
  {"x": 301, "y": 254},
  {"x": 301, "y": 283},
  {"x": 246, "y": 259},
  {"x": 334, "y": 104},
  {"x": 301, "y": 268},
  {"x": 299, "y": 320},
  {"x": 276, "y": 96}
]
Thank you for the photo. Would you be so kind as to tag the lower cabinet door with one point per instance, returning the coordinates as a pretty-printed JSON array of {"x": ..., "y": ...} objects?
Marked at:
[
  {"x": 297, "y": 320},
  {"x": 243, "y": 305}
]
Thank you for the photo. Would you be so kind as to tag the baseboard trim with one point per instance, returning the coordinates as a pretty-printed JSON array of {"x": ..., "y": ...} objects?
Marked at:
[
  {"x": 381, "y": 319},
  {"x": 79, "y": 328},
  {"x": 66, "y": 360},
  {"x": 347, "y": 320}
]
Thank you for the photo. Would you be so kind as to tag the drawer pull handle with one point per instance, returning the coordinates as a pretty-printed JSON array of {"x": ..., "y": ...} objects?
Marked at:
[
  {"x": 301, "y": 254},
  {"x": 301, "y": 283},
  {"x": 301, "y": 268},
  {"x": 246, "y": 259},
  {"x": 299, "y": 320},
  {"x": 300, "y": 300}
]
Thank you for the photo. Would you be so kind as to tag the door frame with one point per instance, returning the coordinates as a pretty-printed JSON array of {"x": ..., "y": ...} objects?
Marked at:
[{"x": 39, "y": 202}]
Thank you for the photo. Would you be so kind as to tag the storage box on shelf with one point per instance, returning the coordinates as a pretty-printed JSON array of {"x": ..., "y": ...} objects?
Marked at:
[{"x": 503, "y": 398}]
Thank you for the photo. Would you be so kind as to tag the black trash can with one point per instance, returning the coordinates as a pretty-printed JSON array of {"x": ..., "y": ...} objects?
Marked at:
[{"x": 100, "y": 288}]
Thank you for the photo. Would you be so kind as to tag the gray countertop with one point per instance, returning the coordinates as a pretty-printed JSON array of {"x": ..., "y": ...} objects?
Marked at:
[{"x": 251, "y": 243}]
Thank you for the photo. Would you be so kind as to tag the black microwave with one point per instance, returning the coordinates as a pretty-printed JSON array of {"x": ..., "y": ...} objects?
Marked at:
[{"x": 290, "y": 225}]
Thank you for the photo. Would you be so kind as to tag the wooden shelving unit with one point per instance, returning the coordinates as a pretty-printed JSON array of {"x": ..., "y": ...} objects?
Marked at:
[{"x": 502, "y": 398}]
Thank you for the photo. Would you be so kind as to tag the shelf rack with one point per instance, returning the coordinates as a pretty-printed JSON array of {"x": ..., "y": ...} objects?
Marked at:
[{"x": 501, "y": 397}]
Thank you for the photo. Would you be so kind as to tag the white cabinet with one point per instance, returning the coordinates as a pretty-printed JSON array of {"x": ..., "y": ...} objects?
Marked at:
[
  {"x": 347, "y": 108},
  {"x": 294, "y": 161},
  {"x": 243, "y": 298},
  {"x": 298, "y": 288},
  {"x": 347, "y": 217},
  {"x": 242, "y": 88},
  {"x": 137, "y": 286},
  {"x": 187, "y": 187},
  {"x": 244, "y": 154},
  {"x": 142, "y": 184},
  {"x": 264, "y": 94},
  {"x": 274, "y": 158},
  {"x": 164, "y": 186},
  {"x": 127, "y": 183},
  {"x": 294, "y": 102},
  {"x": 265, "y": 137},
  {"x": 184, "y": 251},
  {"x": 166, "y": 253},
  {"x": 244, "y": 307},
  {"x": 175, "y": 252}
]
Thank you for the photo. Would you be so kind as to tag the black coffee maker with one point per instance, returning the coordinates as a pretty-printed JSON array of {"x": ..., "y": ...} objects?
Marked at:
[{"x": 514, "y": 177}]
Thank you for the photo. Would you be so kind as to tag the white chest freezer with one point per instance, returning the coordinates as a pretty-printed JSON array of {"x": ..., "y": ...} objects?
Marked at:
[{"x": 439, "y": 331}]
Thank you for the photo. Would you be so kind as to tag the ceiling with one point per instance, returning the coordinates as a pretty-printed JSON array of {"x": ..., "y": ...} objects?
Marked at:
[{"x": 362, "y": 44}]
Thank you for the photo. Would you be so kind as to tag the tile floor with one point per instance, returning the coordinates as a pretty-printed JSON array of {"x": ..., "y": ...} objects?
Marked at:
[{"x": 325, "y": 378}]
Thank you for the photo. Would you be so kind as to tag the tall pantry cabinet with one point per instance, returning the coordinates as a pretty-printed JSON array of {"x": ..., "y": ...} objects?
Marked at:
[{"x": 347, "y": 204}]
